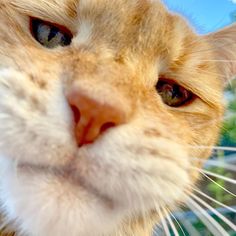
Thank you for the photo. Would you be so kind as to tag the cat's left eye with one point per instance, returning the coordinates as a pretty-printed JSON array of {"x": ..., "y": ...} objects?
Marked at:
[
  {"x": 50, "y": 35},
  {"x": 173, "y": 94}
]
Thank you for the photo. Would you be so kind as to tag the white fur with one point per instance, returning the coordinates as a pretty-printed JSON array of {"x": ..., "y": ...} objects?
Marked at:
[{"x": 84, "y": 34}]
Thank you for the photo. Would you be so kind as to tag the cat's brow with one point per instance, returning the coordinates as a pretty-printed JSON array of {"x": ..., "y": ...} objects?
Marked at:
[
  {"x": 201, "y": 86},
  {"x": 54, "y": 10},
  {"x": 72, "y": 6}
]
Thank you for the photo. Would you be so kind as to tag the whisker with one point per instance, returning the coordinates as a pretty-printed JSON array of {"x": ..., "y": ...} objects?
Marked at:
[
  {"x": 181, "y": 228},
  {"x": 214, "y": 227},
  {"x": 217, "y": 213},
  {"x": 171, "y": 223},
  {"x": 164, "y": 223},
  {"x": 187, "y": 225},
  {"x": 229, "y": 180},
  {"x": 220, "y": 148},
  {"x": 226, "y": 190},
  {"x": 214, "y": 200},
  {"x": 216, "y": 163}
]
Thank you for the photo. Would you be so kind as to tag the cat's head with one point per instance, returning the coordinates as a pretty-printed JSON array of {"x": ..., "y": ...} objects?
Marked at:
[{"x": 105, "y": 108}]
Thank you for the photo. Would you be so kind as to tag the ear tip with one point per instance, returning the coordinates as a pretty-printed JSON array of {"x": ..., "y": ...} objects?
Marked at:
[{"x": 224, "y": 47}]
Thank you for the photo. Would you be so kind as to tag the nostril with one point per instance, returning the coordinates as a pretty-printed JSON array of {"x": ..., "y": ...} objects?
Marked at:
[
  {"x": 92, "y": 118},
  {"x": 107, "y": 126},
  {"x": 76, "y": 113}
]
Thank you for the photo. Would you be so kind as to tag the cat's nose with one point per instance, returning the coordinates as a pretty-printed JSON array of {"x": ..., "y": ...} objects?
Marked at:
[{"x": 93, "y": 117}]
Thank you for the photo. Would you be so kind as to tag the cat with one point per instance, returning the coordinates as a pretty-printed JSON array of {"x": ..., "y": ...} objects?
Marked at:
[{"x": 104, "y": 107}]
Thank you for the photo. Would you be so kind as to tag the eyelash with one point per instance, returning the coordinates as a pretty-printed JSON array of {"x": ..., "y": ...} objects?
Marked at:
[{"x": 50, "y": 35}]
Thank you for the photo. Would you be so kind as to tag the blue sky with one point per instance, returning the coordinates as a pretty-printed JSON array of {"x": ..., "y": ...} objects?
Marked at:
[{"x": 205, "y": 15}]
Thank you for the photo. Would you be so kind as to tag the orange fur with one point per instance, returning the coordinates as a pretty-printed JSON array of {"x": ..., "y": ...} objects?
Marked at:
[{"x": 131, "y": 44}]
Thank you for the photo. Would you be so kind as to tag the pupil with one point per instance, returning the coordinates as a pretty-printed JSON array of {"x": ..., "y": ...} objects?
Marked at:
[
  {"x": 175, "y": 91},
  {"x": 53, "y": 32},
  {"x": 66, "y": 40}
]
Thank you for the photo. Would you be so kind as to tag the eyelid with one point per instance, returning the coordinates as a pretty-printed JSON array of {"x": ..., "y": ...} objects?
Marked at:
[
  {"x": 52, "y": 24},
  {"x": 175, "y": 81}
]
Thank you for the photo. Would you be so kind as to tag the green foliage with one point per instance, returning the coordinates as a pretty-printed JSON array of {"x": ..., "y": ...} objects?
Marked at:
[
  {"x": 217, "y": 192},
  {"x": 232, "y": 105},
  {"x": 229, "y": 132},
  {"x": 229, "y": 127}
]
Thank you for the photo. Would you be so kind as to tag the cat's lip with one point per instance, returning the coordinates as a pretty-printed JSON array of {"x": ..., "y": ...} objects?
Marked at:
[
  {"x": 45, "y": 169},
  {"x": 65, "y": 173}
]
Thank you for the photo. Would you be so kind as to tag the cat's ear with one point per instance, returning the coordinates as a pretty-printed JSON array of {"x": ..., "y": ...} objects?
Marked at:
[{"x": 224, "y": 48}]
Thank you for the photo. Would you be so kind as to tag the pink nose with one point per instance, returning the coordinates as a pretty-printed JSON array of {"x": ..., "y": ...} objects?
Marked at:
[{"x": 92, "y": 118}]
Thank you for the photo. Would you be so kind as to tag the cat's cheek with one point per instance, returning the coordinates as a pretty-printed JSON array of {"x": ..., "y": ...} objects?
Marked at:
[
  {"x": 35, "y": 125},
  {"x": 148, "y": 174}
]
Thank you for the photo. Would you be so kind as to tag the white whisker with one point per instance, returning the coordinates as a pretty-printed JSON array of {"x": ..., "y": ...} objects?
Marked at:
[
  {"x": 182, "y": 230},
  {"x": 221, "y": 148},
  {"x": 187, "y": 225},
  {"x": 171, "y": 223},
  {"x": 214, "y": 227},
  {"x": 164, "y": 224},
  {"x": 218, "y": 214},
  {"x": 216, "y": 163},
  {"x": 226, "y": 190},
  {"x": 229, "y": 180},
  {"x": 212, "y": 199}
]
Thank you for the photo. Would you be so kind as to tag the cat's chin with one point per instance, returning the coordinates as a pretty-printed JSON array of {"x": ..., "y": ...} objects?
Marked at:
[
  {"x": 48, "y": 204},
  {"x": 98, "y": 191}
]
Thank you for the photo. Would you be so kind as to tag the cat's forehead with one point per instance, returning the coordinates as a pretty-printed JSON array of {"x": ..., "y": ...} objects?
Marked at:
[
  {"x": 71, "y": 7},
  {"x": 106, "y": 15},
  {"x": 115, "y": 23}
]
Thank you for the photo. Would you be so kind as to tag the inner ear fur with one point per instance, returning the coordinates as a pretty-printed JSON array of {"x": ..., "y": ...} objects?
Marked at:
[{"x": 224, "y": 48}]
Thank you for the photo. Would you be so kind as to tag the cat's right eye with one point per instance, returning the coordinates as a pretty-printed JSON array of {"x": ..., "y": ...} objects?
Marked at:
[
  {"x": 50, "y": 35},
  {"x": 173, "y": 94}
]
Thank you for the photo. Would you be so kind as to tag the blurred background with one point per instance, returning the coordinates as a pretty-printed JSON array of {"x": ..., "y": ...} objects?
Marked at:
[{"x": 207, "y": 16}]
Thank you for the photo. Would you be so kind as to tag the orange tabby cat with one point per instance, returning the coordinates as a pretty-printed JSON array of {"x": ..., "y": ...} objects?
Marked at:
[{"x": 103, "y": 105}]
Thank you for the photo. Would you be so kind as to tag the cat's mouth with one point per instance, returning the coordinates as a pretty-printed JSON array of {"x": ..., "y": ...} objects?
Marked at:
[
  {"x": 41, "y": 169},
  {"x": 67, "y": 174},
  {"x": 65, "y": 171}
]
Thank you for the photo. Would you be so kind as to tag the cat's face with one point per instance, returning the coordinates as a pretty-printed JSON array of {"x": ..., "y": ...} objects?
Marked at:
[{"x": 107, "y": 128}]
